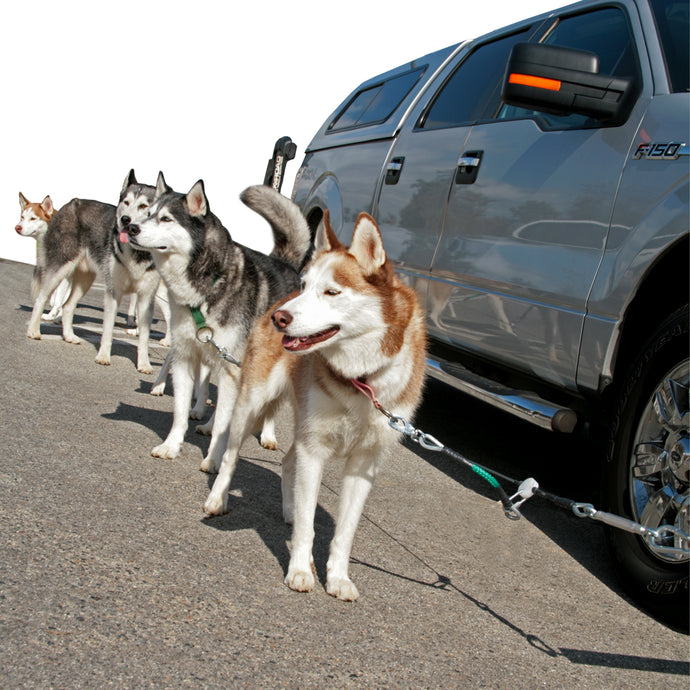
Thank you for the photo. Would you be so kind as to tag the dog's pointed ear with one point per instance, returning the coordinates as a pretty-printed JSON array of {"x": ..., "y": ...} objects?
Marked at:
[
  {"x": 47, "y": 206},
  {"x": 130, "y": 179},
  {"x": 196, "y": 200},
  {"x": 23, "y": 201},
  {"x": 325, "y": 239},
  {"x": 367, "y": 245},
  {"x": 161, "y": 186}
]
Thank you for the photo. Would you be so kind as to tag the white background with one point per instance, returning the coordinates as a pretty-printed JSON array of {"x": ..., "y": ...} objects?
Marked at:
[{"x": 197, "y": 89}]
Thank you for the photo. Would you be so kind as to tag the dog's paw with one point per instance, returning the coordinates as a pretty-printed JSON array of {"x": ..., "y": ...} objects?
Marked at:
[
  {"x": 34, "y": 334},
  {"x": 268, "y": 441},
  {"x": 166, "y": 451},
  {"x": 342, "y": 588},
  {"x": 197, "y": 412},
  {"x": 132, "y": 331},
  {"x": 216, "y": 504},
  {"x": 73, "y": 340},
  {"x": 159, "y": 389},
  {"x": 300, "y": 580},
  {"x": 103, "y": 359},
  {"x": 165, "y": 342},
  {"x": 209, "y": 465},
  {"x": 204, "y": 429},
  {"x": 145, "y": 369}
]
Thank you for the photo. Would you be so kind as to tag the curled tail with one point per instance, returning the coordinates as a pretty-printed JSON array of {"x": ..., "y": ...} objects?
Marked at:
[{"x": 290, "y": 229}]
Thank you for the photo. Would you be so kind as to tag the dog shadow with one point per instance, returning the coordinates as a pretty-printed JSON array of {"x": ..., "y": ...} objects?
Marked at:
[
  {"x": 158, "y": 421},
  {"x": 88, "y": 326},
  {"x": 255, "y": 500},
  {"x": 255, "y": 503}
]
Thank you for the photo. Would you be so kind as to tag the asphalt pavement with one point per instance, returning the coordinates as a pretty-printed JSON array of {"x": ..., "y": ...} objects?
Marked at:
[{"x": 110, "y": 576}]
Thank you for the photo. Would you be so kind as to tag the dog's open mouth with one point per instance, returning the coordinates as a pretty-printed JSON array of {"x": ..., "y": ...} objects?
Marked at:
[{"x": 304, "y": 342}]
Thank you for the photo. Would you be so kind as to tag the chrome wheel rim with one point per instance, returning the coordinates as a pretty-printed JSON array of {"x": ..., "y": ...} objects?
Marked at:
[{"x": 660, "y": 462}]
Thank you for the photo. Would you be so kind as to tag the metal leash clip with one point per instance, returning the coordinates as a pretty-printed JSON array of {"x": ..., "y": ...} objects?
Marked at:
[{"x": 204, "y": 334}]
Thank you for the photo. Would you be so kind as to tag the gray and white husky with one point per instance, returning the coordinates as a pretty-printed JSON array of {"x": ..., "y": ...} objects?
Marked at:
[
  {"x": 228, "y": 284},
  {"x": 85, "y": 239}
]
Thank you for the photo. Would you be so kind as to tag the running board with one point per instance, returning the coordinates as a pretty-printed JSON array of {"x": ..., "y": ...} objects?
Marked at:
[{"x": 522, "y": 404}]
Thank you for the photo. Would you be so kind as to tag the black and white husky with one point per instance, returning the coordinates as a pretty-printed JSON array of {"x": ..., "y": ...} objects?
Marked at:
[
  {"x": 217, "y": 288},
  {"x": 85, "y": 239}
]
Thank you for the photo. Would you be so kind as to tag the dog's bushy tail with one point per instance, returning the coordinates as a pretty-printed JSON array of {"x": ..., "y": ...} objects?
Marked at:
[{"x": 291, "y": 232}]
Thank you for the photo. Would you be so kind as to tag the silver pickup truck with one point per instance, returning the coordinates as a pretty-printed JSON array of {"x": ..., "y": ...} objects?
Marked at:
[{"x": 532, "y": 186}]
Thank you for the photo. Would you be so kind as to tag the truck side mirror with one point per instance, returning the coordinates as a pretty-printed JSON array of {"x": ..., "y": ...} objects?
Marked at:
[{"x": 563, "y": 81}]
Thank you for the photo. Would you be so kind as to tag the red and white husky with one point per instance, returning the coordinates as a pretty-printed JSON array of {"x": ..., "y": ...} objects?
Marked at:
[
  {"x": 353, "y": 321},
  {"x": 33, "y": 222}
]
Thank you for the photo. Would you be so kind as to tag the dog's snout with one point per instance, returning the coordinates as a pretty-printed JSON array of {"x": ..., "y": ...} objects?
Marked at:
[
  {"x": 125, "y": 220},
  {"x": 281, "y": 319},
  {"x": 133, "y": 230}
]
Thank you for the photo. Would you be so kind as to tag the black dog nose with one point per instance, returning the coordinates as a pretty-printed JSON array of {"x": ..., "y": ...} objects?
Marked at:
[
  {"x": 281, "y": 318},
  {"x": 133, "y": 230},
  {"x": 125, "y": 220}
]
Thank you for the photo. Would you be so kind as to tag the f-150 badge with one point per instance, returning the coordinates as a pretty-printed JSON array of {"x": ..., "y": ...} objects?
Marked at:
[{"x": 662, "y": 151}]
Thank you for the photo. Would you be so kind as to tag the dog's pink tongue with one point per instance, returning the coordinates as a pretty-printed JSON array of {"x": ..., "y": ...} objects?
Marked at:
[{"x": 124, "y": 237}]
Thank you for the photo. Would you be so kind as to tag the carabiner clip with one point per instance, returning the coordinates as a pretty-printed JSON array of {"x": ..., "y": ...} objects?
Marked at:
[{"x": 525, "y": 490}]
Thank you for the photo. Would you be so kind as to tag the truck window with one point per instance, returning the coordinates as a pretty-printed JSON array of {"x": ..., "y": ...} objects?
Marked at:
[
  {"x": 375, "y": 104},
  {"x": 474, "y": 89},
  {"x": 605, "y": 33},
  {"x": 671, "y": 17}
]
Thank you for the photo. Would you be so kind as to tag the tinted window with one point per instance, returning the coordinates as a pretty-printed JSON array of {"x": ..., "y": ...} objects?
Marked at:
[
  {"x": 376, "y": 103},
  {"x": 671, "y": 18},
  {"x": 605, "y": 33},
  {"x": 473, "y": 91}
]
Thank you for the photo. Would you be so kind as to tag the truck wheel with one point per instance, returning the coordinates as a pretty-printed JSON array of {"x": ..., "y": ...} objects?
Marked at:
[{"x": 648, "y": 471}]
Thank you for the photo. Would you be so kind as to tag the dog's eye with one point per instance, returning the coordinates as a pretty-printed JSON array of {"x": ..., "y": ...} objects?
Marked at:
[
  {"x": 143, "y": 206},
  {"x": 165, "y": 219},
  {"x": 332, "y": 292}
]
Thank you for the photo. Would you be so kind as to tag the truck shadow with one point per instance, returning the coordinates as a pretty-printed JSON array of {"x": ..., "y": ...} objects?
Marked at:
[{"x": 564, "y": 465}]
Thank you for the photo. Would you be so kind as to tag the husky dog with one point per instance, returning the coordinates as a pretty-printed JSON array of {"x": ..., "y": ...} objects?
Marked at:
[
  {"x": 33, "y": 222},
  {"x": 226, "y": 285},
  {"x": 85, "y": 238},
  {"x": 354, "y": 325}
]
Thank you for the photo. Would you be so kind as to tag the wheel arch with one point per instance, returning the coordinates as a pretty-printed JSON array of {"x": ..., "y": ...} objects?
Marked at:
[{"x": 664, "y": 288}]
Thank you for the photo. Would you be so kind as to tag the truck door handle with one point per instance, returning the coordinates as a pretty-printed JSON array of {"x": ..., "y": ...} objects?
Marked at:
[
  {"x": 468, "y": 167},
  {"x": 394, "y": 169}
]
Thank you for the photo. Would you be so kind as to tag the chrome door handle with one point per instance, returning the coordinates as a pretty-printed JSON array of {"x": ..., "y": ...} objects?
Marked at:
[
  {"x": 393, "y": 170},
  {"x": 467, "y": 162},
  {"x": 468, "y": 167}
]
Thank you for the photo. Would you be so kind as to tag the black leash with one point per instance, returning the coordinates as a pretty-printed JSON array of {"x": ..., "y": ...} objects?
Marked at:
[{"x": 655, "y": 538}]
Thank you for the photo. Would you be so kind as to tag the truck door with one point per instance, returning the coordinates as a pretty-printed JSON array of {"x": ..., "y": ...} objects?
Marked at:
[
  {"x": 528, "y": 216},
  {"x": 422, "y": 166}
]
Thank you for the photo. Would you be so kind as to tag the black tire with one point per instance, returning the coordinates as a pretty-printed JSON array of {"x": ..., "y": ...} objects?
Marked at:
[{"x": 658, "y": 583}]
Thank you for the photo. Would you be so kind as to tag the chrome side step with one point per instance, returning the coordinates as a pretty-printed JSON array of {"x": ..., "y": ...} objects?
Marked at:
[{"x": 523, "y": 404}]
